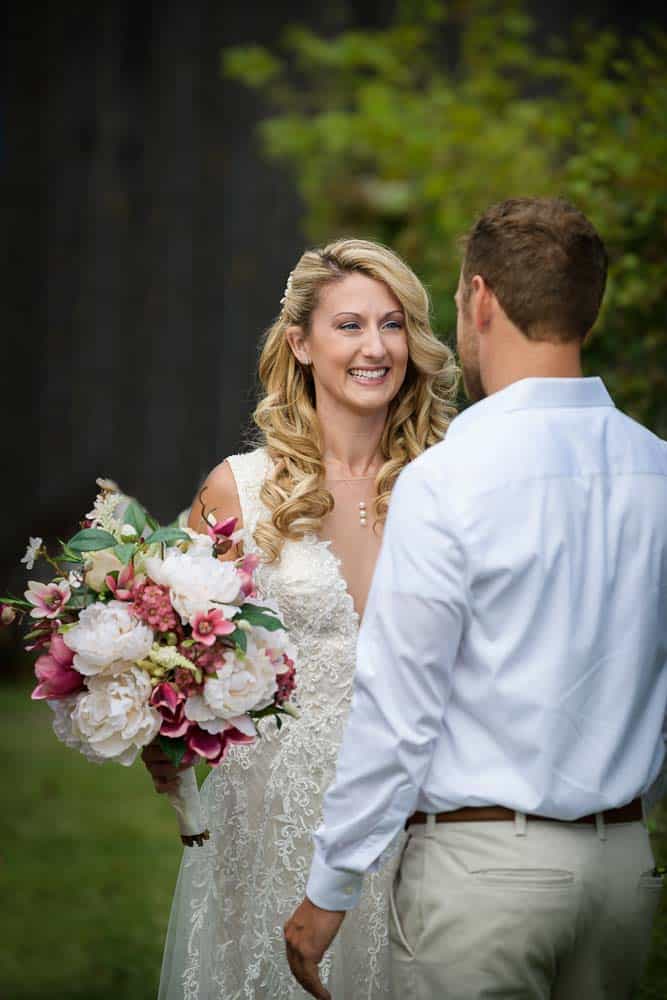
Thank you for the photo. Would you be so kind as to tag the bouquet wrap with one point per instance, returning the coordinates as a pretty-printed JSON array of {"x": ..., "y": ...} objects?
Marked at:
[{"x": 187, "y": 803}]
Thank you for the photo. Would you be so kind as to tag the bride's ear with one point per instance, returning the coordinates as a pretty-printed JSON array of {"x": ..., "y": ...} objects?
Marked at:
[{"x": 296, "y": 338}]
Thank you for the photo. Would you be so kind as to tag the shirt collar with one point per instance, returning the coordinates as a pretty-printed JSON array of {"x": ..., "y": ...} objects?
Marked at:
[{"x": 536, "y": 394}]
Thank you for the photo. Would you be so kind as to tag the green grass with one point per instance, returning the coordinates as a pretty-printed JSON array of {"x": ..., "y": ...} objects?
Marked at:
[{"x": 89, "y": 861}]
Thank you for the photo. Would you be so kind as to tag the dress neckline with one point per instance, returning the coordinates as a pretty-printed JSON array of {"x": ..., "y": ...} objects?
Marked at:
[{"x": 325, "y": 545}]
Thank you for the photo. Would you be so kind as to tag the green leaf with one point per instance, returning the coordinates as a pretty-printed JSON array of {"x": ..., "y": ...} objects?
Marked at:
[
  {"x": 36, "y": 633},
  {"x": 239, "y": 638},
  {"x": 167, "y": 536},
  {"x": 80, "y": 600},
  {"x": 124, "y": 552},
  {"x": 136, "y": 516},
  {"x": 151, "y": 522},
  {"x": 174, "y": 749},
  {"x": 91, "y": 540},
  {"x": 263, "y": 617},
  {"x": 69, "y": 554}
]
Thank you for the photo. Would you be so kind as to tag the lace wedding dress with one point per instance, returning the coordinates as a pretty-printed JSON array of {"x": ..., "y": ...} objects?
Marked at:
[{"x": 225, "y": 937}]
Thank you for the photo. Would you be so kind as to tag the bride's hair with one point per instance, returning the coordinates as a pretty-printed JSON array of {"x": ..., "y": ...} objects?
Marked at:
[{"x": 418, "y": 415}]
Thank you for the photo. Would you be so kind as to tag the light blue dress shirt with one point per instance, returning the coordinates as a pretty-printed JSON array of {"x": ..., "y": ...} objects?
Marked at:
[{"x": 514, "y": 645}]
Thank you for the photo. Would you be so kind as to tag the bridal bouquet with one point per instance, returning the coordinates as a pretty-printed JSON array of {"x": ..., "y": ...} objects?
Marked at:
[{"x": 144, "y": 634}]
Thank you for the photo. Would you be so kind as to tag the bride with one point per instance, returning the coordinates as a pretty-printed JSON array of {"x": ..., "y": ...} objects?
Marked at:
[{"x": 355, "y": 386}]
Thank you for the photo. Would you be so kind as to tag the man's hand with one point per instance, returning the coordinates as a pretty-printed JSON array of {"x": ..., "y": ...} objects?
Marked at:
[{"x": 308, "y": 933}]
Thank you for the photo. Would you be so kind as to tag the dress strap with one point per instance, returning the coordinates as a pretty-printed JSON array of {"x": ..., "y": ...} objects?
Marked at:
[{"x": 249, "y": 471}]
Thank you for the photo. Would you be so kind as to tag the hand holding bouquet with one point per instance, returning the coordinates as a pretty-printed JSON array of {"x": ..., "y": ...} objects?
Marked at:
[{"x": 144, "y": 634}]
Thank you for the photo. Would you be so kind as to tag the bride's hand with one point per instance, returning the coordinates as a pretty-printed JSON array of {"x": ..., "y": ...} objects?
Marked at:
[{"x": 162, "y": 771}]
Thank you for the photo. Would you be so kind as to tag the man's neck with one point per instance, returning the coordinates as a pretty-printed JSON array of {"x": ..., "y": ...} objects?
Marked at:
[{"x": 537, "y": 359}]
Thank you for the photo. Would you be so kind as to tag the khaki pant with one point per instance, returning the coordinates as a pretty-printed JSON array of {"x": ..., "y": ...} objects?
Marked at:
[{"x": 523, "y": 909}]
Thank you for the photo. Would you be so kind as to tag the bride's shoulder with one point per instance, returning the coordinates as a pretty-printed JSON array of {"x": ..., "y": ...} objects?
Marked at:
[{"x": 230, "y": 487}]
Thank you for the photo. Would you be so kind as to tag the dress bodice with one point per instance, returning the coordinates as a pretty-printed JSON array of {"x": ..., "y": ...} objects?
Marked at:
[{"x": 315, "y": 604}]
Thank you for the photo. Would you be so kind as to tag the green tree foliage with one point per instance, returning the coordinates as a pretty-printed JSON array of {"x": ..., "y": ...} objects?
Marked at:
[{"x": 406, "y": 134}]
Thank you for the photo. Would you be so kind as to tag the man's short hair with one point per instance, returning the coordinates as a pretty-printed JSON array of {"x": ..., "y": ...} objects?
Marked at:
[{"x": 545, "y": 263}]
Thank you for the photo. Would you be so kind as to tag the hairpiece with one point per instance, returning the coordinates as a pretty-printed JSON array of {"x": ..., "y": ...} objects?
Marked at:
[{"x": 287, "y": 288}]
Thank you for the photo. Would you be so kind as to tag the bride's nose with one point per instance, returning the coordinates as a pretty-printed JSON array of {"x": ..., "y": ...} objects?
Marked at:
[{"x": 373, "y": 347}]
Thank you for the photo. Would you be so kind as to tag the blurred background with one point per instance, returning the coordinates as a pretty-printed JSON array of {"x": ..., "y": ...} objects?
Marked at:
[{"x": 163, "y": 165}]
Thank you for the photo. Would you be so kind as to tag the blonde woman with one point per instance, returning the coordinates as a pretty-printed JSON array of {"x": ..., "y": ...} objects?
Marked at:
[{"x": 355, "y": 386}]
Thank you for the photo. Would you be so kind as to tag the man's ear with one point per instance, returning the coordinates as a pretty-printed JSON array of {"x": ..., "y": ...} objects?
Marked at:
[
  {"x": 481, "y": 303},
  {"x": 296, "y": 338}
]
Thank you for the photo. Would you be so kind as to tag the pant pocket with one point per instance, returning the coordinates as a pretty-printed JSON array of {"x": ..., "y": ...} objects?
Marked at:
[
  {"x": 405, "y": 900},
  {"x": 524, "y": 878},
  {"x": 397, "y": 935}
]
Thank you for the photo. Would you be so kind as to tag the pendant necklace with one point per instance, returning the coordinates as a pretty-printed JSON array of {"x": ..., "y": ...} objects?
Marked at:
[{"x": 363, "y": 509}]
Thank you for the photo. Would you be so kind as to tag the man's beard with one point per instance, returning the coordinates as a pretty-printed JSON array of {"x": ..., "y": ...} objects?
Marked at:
[
  {"x": 472, "y": 382},
  {"x": 470, "y": 368}
]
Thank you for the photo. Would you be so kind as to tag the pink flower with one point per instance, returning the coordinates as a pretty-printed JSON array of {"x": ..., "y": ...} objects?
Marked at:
[
  {"x": 7, "y": 614},
  {"x": 170, "y": 703},
  {"x": 152, "y": 605},
  {"x": 57, "y": 678},
  {"x": 211, "y": 660},
  {"x": 212, "y": 746},
  {"x": 286, "y": 682},
  {"x": 246, "y": 569},
  {"x": 207, "y": 627},
  {"x": 48, "y": 599},
  {"x": 221, "y": 533},
  {"x": 42, "y": 633},
  {"x": 186, "y": 682},
  {"x": 120, "y": 584},
  {"x": 220, "y": 530}
]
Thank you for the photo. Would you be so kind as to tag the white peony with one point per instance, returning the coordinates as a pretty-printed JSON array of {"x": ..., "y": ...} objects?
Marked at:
[
  {"x": 275, "y": 643},
  {"x": 197, "y": 582},
  {"x": 107, "y": 638},
  {"x": 62, "y": 709},
  {"x": 198, "y": 710},
  {"x": 246, "y": 682},
  {"x": 113, "y": 719}
]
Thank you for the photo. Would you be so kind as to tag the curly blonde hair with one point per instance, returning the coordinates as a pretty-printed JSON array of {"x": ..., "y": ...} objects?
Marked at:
[{"x": 418, "y": 416}]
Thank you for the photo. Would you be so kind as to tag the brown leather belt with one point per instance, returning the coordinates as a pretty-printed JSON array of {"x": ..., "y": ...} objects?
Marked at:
[{"x": 484, "y": 814}]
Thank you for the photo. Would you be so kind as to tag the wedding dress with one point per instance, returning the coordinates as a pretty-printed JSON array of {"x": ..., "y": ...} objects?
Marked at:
[{"x": 225, "y": 937}]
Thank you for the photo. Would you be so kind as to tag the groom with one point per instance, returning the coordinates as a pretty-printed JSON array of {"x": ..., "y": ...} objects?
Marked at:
[{"x": 511, "y": 685}]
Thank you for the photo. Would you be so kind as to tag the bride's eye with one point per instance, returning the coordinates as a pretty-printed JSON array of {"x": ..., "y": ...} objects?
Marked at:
[
  {"x": 351, "y": 325},
  {"x": 394, "y": 324}
]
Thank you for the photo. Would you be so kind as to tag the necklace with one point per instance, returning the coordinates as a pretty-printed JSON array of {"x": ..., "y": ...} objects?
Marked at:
[{"x": 363, "y": 508}]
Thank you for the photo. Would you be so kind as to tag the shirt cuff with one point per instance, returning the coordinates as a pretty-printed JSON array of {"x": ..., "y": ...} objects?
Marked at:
[{"x": 331, "y": 888}]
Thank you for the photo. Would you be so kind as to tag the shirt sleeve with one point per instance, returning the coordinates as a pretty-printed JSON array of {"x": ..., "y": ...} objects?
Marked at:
[{"x": 408, "y": 642}]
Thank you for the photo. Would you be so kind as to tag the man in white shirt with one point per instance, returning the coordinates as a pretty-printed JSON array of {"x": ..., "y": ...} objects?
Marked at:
[{"x": 511, "y": 684}]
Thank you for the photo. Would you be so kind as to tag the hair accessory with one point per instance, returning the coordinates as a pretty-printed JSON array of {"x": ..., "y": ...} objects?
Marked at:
[{"x": 287, "y": 288}]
